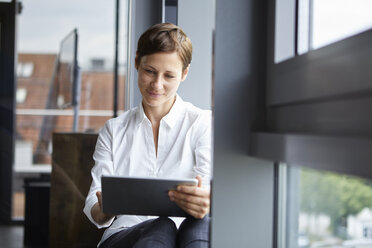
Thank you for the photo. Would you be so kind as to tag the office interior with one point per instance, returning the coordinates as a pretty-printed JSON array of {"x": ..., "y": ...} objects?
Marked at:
[{"x": 288, "y": 82}]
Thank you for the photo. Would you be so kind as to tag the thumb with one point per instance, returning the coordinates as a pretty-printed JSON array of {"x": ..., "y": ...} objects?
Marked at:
[
  {"x": 99, "y": 196},
  {"x": 200, "y": 181}
]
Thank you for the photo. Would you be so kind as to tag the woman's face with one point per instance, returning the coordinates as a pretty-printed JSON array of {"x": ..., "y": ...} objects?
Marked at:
[{"x": 159, "y": 76}]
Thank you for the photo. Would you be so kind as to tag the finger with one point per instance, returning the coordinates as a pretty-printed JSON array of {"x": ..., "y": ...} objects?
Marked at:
[
  {"x": 197, "y": 200},
  {"x": 99, "y": 196},
  {"x": 200, "y": 181},
  {"x": 192, "y": 190},
  {"x": 202, "y": 207},
  {"x": 194, "y": 213},
  {"x": 187, "y": 205},
  {"x": 182, "y": 196},
  {"x": 195, "y": 206}
]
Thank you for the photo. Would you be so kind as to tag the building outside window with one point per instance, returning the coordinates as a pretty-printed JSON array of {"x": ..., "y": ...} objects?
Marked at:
[
  {"x": 324, "y": 209},
  {"x": 40, "y": 109}
]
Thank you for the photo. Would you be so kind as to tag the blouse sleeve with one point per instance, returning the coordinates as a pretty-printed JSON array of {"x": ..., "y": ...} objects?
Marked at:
[
  {"x": 203, "y": 148},
  {"x": 103, "y": 166}
]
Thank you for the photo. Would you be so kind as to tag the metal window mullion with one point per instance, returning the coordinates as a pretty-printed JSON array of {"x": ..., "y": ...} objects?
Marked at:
[
  {"x": 311, "y": 26},
  {"x": 128, "y": 96}
]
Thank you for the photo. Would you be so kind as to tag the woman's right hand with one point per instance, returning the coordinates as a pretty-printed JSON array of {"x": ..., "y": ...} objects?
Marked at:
[{"x": 96, "y": 211}]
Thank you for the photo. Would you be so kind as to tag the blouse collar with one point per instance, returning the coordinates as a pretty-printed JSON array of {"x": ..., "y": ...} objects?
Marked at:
[{"x": 170, "y": 119}]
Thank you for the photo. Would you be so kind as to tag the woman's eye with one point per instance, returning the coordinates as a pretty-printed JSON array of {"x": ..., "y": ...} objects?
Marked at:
[
  {"x": 149, "y": 71},
  {"x": 169, "y": 76}
]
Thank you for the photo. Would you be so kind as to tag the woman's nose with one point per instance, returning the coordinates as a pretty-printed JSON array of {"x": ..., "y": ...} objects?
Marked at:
[{"x": 157, "y": 83}]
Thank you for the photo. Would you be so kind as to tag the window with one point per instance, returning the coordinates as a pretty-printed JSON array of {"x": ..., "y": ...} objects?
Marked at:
[
  {"x": 324, "y": 209},
  {"x": 317, "y": 116},
  {"x": 21, "y": 95},
  {"x": 367, "y": 232},
  {"x": 170, "y": 11},
  {"x": 334, "y": 20},
  {"x": 25, "y": 69},
  {"x": 44, "y": 104},
  {"x": 284, "y": 30},
  {"x": 318, "y": 23}
]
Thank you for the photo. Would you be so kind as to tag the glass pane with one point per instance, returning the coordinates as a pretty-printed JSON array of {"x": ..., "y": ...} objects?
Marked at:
[
  {"x": 334, "y": 20},
  {"x": 284, "y": 47},
  {"x": 44, "y": 84},
  {"x": 324, "y": 209},
  {"x": 304, "y": 28}
]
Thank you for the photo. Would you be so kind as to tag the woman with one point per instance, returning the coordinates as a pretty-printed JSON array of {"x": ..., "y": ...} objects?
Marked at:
[{"x": 163, "y": 137}]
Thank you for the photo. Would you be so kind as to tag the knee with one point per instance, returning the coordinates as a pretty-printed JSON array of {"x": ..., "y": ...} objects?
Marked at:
[
  {"x": 164, "y": 223},
  {"x": 164, "y": 227},
  {"x": 161, "y": 233},
  {"x": 191, "y": 224},
  {"x": 194, "y": 232}
]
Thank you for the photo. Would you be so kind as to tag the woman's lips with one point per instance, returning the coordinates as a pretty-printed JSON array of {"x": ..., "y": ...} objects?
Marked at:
[{"x": 154, "y": 94}]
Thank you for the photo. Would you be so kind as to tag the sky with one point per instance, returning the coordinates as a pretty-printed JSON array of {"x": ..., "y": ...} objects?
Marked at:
[{"x": 44, "y": 23}]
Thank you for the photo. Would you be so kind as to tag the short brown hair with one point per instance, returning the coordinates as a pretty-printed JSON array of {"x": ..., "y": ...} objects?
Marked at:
[{"x": 165, "y": 37}]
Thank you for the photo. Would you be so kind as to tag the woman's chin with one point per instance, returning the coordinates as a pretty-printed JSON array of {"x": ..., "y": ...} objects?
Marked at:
[
  {"x": 157, "y": 102},
  {"x": 153, "y": 102}
]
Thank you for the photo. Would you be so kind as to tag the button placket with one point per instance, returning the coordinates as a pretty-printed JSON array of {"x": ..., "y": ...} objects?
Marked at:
[
  {"x": 162, "y": 149},
  {"x": 150, "y": 140}
]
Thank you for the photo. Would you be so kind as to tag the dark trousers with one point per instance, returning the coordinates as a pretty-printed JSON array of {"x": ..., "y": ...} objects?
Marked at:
[{"x": 162, "y": 232}]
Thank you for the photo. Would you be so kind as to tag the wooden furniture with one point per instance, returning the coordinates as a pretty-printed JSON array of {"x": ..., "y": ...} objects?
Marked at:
[{"x": 72, "y": 161}]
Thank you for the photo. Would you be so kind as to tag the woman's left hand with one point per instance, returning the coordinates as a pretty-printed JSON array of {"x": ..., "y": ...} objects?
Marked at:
[{"x": 195, "y": 200}]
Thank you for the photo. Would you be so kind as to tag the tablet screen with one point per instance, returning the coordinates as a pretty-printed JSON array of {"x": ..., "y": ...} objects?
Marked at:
[{"x": 141, "y": 196}]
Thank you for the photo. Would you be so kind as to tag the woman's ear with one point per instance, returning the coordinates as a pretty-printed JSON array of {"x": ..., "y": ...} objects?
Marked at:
[
  {"x": 185, "y": 72},
  {"x": 136, "y": 61}
]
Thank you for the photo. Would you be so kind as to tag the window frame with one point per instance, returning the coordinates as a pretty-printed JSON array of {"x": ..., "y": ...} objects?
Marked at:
[
  {"x": 308, "y": 84},
  {"x": 306, "y": 87}
]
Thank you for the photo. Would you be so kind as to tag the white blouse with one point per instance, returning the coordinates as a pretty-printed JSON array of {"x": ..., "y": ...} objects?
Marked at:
[{"x": 125, "y": 147}]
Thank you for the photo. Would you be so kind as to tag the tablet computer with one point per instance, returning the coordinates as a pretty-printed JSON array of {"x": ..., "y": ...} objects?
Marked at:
[{"x": 141, "y": 196}]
